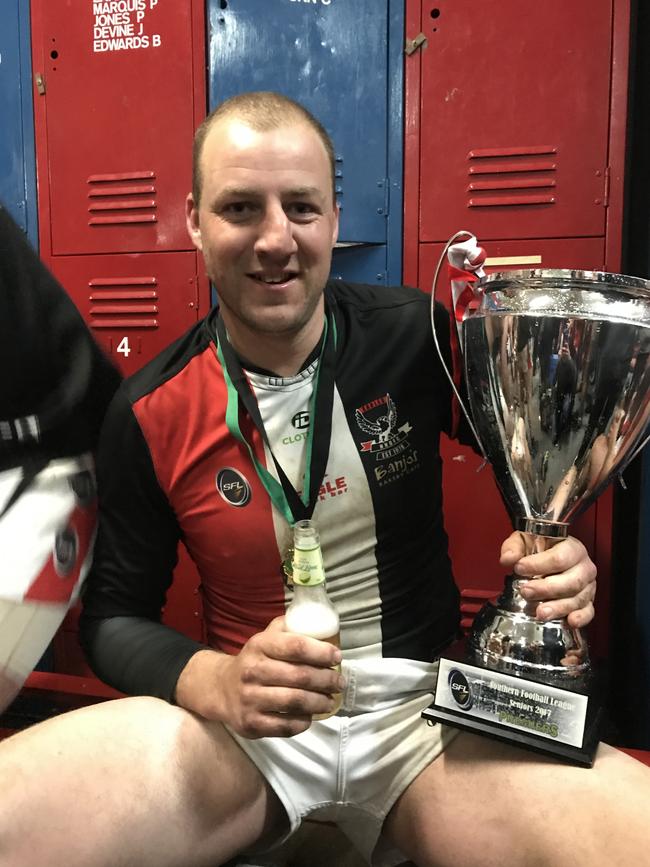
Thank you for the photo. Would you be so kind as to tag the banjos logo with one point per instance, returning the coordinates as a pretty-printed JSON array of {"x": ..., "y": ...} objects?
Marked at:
[
  {"x": 460, "y": 689},
  {"x": 233, "y": 487}
]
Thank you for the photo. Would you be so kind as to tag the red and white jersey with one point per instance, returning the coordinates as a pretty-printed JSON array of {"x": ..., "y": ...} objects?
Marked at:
[{"x": 169, "y": 468}]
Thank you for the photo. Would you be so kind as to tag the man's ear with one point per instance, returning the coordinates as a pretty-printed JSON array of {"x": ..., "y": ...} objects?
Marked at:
[
  {"x": 335, "y": 227},
  {"x": 192, "y": 222}
]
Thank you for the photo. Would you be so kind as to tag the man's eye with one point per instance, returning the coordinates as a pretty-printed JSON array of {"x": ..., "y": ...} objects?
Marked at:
[
  {"x": 238, "y": 210},
  {"x": 301, "y": 209}
]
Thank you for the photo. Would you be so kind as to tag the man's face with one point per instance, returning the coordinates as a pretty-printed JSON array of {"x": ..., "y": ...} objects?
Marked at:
[{"x": 266, "y": 225}]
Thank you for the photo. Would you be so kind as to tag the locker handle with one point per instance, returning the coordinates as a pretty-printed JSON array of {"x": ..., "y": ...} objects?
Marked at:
[
  {"x": 39, "y": 78},
  {"x": 412, "y": 45}
]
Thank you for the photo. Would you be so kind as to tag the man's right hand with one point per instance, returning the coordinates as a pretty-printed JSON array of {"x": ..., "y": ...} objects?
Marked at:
[{"x": 272, "y": 688}]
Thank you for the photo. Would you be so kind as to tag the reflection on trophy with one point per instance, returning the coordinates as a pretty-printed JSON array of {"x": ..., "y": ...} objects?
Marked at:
[{"x": 557, "y": 373}]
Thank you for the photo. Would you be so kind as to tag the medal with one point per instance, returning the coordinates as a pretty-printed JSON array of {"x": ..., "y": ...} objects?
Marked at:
[
  {"x": 291, "y": 505},
  {"x": 287, "y": 567}
]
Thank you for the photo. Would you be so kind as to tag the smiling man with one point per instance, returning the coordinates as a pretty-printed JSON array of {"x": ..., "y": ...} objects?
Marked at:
[
  {"x": 265, "y": 219},
  {"x": 199, "y": 447}
]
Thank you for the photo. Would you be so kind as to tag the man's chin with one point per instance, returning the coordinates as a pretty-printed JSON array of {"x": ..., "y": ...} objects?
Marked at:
[
  {"x": 278, "y": 326},
  {"x": 278, "y": 320}
]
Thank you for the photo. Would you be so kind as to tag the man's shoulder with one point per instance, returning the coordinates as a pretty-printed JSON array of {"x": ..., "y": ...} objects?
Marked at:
[
  {"x": 366, "y": 297},
  {"x": 170, "y": 362}
]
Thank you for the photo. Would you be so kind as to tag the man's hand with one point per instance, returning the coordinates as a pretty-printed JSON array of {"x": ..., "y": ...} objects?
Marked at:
[
  {"x": 273, "y": 687},
  {"x": 569, "y": 586}
]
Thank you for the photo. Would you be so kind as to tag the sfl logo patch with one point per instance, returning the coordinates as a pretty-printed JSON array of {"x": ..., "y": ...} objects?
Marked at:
[{"x": 233, "y": 487}]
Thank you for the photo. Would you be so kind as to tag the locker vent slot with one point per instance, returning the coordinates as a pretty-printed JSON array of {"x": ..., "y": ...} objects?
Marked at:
[
  {"x": 123, "y": 302},
  {"x": 512, "y": 176},
  {"x": 122, "y": 198},
  {"x": 471, "y": 602}
]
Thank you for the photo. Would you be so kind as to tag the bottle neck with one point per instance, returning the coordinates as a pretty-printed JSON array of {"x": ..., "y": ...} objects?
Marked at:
[
  {"x": 312, "y": 592},
  {"x": 308, "y": 565}
]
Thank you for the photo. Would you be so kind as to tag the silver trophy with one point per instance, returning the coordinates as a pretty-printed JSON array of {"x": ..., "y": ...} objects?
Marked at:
[{"x": 557, "y": 374}]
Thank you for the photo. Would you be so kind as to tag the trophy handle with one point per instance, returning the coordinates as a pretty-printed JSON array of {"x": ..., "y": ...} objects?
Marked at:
[
  {"x": 463, "y": 233},
  {"x": 637, "y": 450}
]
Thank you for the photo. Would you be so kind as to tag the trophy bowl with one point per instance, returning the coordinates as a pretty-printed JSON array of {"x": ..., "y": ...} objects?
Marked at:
[{"x": 557, "y": 377}]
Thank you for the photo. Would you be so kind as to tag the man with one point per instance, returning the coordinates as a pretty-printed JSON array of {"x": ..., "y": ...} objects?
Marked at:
[
  {"x": 55, "y": 387},
  {"x": 199, "y": 446}
]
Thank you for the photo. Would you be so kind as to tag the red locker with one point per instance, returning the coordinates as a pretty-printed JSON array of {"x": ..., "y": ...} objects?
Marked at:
[
  {"x": 134, "y": 303},
  {"x": 119, "y": 89},
  {"x": 118, "y": 99},
  {"x": 515, "y": 118},
  {"x": 515, "y": 130}
]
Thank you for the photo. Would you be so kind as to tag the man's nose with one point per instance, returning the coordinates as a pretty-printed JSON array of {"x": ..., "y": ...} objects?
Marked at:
[{"x": 275, "y": 236}]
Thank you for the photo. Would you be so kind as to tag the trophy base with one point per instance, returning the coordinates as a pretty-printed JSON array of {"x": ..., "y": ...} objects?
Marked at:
[{"x": 522, "y": 711}]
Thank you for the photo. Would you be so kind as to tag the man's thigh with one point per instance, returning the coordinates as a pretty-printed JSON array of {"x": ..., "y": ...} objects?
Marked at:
[
  {"x": 483, "y": 803},
  {"x": 133, "y": 781}
]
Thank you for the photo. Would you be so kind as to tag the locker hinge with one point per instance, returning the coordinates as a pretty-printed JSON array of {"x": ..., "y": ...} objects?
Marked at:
[
  {"x": 606, "y": 190},
  {"x": 413, "y": 44},
  {"x": 385, "y": 184},
  {"x": 39, "y": 78}
]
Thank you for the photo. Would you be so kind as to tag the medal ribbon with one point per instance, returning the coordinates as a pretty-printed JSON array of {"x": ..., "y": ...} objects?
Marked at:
[{"x": 293, "y": 506}]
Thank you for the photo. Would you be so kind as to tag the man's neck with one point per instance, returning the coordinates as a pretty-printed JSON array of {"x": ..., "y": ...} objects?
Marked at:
[{"x": 280, "y": 354}]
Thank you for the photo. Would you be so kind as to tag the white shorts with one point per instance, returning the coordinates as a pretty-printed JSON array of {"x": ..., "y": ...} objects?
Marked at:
[{"x": 351, "y": 768}]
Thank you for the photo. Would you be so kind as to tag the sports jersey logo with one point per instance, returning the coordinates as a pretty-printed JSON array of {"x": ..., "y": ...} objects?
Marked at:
[
  {"x": 300, "y": 420},
  {"x": 233, "y": 487},
  {"x": 66, "y": 546},
  {"x": 379, "y": 419},
  {"x": 380, "y": 423},
  {"x": 390, "y": 444}
]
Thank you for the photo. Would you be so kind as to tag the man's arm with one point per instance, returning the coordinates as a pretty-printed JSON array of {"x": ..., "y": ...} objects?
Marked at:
[
  {"x": 135, "y": 556},
  {"x": 272, "y": 687}
]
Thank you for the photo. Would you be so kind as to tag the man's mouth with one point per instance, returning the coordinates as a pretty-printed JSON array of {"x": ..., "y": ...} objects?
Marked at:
[{"x": 274, "y": 279}]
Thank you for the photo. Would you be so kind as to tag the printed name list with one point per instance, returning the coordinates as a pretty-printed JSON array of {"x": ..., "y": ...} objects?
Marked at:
[{"x": 120, "y": 25}]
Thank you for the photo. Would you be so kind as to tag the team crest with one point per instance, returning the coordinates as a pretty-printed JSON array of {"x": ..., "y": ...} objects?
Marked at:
[
  {"x": 389, "y": 439},
  {"x": 378, "y": 418}
]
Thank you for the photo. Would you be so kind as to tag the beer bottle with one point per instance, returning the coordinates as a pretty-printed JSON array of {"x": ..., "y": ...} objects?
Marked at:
[{"x": 311, "y": 612}]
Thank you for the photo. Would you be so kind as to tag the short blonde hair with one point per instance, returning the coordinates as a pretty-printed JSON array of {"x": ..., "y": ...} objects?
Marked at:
[{"x": 262, "y": 110}]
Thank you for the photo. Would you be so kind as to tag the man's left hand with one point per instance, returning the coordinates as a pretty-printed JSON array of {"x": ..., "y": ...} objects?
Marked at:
[{"x": 563, "y": 578}]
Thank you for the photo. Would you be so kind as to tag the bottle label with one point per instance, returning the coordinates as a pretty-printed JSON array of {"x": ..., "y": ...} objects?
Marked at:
[{"x": 308, "y": 567}]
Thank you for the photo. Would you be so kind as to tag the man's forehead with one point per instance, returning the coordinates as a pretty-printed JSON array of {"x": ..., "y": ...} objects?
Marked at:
[
  {"x": 234, "y": 136},
  {"x": 234, "y": 130}
]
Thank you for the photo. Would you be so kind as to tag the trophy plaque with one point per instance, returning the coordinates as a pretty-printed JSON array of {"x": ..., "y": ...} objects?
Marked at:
[{"x": 557, "y": 375}]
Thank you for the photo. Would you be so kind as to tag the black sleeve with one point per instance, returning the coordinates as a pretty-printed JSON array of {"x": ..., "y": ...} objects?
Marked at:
[
  {"x": 135, "y": 555},
  {"x": 56, "y": 383}
]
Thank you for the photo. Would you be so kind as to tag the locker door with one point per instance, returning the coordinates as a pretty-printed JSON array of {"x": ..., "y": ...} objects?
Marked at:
[
  {"x": 115, "y": 121},
  {"x": 514, "y": 118},
  {"x": 17, "y": 162},
  {"x": 135, "y": 305},
  {"x": 333, "y": 58},
  {"x": 344, "y": 63}
]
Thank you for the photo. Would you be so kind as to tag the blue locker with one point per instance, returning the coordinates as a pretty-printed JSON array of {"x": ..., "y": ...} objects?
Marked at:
[
  {"x": 17, "y": 156},
  {"x": 343, "y": 61}
]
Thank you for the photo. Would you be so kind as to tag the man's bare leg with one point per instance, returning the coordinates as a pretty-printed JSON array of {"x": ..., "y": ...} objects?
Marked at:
[
  {"x": 129, "y": 782},
  {"x": 483, "y": 804}
]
